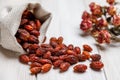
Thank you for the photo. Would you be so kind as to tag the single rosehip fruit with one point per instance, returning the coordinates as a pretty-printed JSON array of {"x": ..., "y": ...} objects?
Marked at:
[
  {"x": 80, "y": 68},
  {"x": 96, "y": 65},
  {"x": 95, "y": 57}
]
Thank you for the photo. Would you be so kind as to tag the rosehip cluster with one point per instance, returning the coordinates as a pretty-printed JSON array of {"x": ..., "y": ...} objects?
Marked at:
[{"x": 103, "y": 23}]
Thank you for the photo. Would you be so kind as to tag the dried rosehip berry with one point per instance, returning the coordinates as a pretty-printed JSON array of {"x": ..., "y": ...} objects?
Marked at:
[
  {"x": 40, "y": 52},
  {"x": 24, "y": 58},
  {"x": 38, "y": 24},
  {"x": 18, "y": 40},
  {"x": 35, "y": 33},
  {"x": 25, "y": 45},
  {"x": 47, "y": 55},
  {"x": 28, "y": 27},
  {"x": 82, "y": 57},
  {"x": 80, "y": 68},
  {"x": 46, "y": 46},
  {"x": 96, "y": 65},
  {"x": 23, "y": 34},
  {"x": 87, "y": 48},
  {"x": 71, "y": 47},
  {"x": 32, "y": 55},
  {"x": 23, "y": 21},
  {"x": 35, "y": 64},
  {"x": 71, "y": 59},
  {"x": 63, "y": 46},
  {"x": 53, "y": 44},
  {"x": 33, "y": 46},
  {"x": 33, "y": 58},
  {"x": 95, "y": 57},
  {"x": 33, "y": 39},
  {"x": 35, "y": 70},
  {"x": 45, "y": 68},
  {"x": 45, "y": 61},
  {"x": 57, "y": 48},
  {"x": 57, "y": 54},
  {"x": 62, "y": 51},
  {"x": 53, "y": 39},
  {"x": 32, "y": 23},
  {"x": 57, "y": 63},
  {"x": 60, "y": 40},
  {"x": 87, "y": 54},
  {"x": 71, "y": 52},
  {"x": 63, "y": 57},
  {"x": 64, "y": 66},
  {"x": 31, "y": 51},
  {"x": 77, "y": 50},
  {"x": 54, "y": 58},
  {"x": 49, "y": 49}
]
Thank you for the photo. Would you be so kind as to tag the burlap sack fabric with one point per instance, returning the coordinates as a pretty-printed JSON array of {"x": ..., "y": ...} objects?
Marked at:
[{"x": 10, "y": 21}]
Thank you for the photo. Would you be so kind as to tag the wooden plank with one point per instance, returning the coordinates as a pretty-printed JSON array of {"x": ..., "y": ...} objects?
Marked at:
[
  {"x": 66, "y": 20},
  {"x": 11, "y": 68},
  {"x": 111, "y": 58}
]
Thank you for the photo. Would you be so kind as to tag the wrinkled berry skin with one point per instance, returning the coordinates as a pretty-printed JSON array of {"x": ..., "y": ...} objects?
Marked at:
[
  {"x": 82, "y": 57},
  {"x": 95, "y": 57},
  {"x": 23, "y": 34},
  {"x": 24, "y": 58},
  {"x": 35, "y": 70},
  {"x": 80, "y": 68},
  {"x": 96, "y": 65},
  {"x": 71, "y": 59},
  {"x": 87, "y": 48},
  {"x": 57, "y": 63},
  {"x": 45, "y": 61},
  {"x": 64, "y": 66},
  {"x": 45, "y": 68}
]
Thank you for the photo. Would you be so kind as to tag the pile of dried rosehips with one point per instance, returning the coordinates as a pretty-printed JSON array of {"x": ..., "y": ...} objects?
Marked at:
[
  {"x": 60, "y": 56},
  {"x": 56, "y": 53},
  {"x": 28, "y": 31},
  {"x": 103, "y": 23}
]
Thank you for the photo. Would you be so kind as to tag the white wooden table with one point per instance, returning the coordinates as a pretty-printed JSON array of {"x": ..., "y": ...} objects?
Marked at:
[{"x": 65, "y": 22}]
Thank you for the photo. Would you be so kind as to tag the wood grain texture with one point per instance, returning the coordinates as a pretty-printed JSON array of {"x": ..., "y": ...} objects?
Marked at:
[
  {"x": 11, "y": 68},
  {"x": 65, "y": 22},
  {"x": 111, "y": 58}
]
